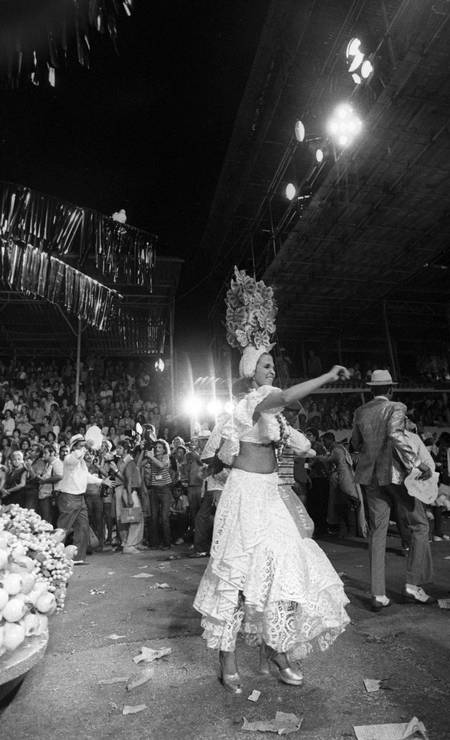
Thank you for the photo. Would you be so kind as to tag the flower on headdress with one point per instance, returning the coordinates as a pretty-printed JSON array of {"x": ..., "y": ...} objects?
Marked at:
[{"x": 251, "y": 311}]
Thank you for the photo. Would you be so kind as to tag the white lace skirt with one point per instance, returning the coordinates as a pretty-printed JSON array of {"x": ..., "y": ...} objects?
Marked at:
[{"x": 263, "y": 578}]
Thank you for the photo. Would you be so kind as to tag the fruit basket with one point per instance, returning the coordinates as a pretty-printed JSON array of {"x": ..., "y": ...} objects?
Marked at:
[{"x": 35, "y": 568}]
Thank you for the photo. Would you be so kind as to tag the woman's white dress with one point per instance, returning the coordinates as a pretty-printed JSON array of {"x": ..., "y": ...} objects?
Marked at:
[{"x": 264, "y": 579}]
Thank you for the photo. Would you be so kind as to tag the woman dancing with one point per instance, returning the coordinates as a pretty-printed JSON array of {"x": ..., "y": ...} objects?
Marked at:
[{"x": 266, "y": 577}]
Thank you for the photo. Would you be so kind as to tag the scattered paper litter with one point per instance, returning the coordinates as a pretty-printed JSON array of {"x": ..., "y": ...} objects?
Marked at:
[
  {"x": 254, "y": 696},
  {"x": 372, "y": 684},
  {"x": 143, "y": 575},
  {"x": 111, "y": 572},
  {"x": 142, "y": 566},
  {"x": 447, "y": 557},
  {"x": 134, "y": 710},
  {"x": 342, "y": 574},
  {"x": 283, "y": 724},
  {"x": 148, "y": 654},
  {"x": 444, "y": 603},
  {"x": 137, "y": 679},
  {"x": 117, "y": 679},
  {"x": 398, "y": 731},
  {"x": 160, "y": 585},
  {"x": 115, "y": 637},
  {"x": 83, "y": 603},
  {"x": 96, "y": 592}
]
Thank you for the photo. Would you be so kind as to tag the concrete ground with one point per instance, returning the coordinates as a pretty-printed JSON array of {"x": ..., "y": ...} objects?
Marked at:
[{"x": 63, "y": 699}]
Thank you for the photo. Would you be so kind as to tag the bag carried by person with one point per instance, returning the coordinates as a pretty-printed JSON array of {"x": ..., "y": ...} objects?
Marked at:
[
  {"x": 93, "y": 539},
  {"x": 130, "y": 515}
]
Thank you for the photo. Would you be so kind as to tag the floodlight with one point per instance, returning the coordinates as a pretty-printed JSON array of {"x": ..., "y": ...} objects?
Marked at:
[
  {"x": 214, "y": 407},
  {"x": 366, "y": 69},
  {"x": 319, "y": 155},
  {"x": 159, "y": 365},
  {"x": 344, "y": 125},
  {"x": 353, "y": 48},
  {"x": 290, "y": 191},
  {"x": 192, "y": 406},
  {"x": 299, "y": 131}
]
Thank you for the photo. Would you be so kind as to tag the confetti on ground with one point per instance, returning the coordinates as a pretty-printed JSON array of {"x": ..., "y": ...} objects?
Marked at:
[
  {"x": 254, "y": 696},
  {"x": 282, "y": 724},
  {"x": 137, "y": 679},
  {"x": 134, "y": 710},
  {"x": 143, "y": 575},
  {"x": 96, "y": 592},
  {"x": 140, "y": 567},
  {"x": 444, "y": 603},
  {"x": 148, "y": 654},
  {"x": 117, "y": 679},
  {"x": 397, "y": 731},
  {"x": 111, "y": 572},
  {"x": 372, "y": 684},
  {"x": 115, "y": 637}
]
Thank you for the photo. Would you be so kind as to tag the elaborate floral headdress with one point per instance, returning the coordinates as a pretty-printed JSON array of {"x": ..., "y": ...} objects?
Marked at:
[{"x": 250, "y": 319}]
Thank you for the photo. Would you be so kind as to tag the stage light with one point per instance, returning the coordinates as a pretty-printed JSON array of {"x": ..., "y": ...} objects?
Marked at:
[
  {"x": 366, "y": 69},
  {"x": 228, "y": 407},
  {"x": 353, "y": 48},
  {"x": 344, "y": 125},
  {"x": 159, "y": 365},
  {"x": 192, "y": 406},
  {"x": 299, "y": 131},
  {"x": 359, "y": 67},
  {"x": 319, "y": 155},
  {"x": 290, "y": 191},
  {"x": 214, "y": 407}
]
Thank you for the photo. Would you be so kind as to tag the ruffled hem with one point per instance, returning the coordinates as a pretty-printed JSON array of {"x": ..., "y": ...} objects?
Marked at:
[{"x": 280, "y": 587}]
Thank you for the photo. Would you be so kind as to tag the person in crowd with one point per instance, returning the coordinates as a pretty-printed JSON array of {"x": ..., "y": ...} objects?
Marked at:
[
  {"x": 442, "y": 466},
  {"x": 213, "y": 484},
  {"x": 127, "y": 497},
  {"x": 15, "y": 480},
  {"x": 160, "y": 494},
  {"x": 262, "y": 577},
  {"x": 73, "y": 513},
  {"x": 94, "y": 500},
  {"x": 345, "y": 500},
  {"x": 8, "y": 422},
  {"x": 194, "y": 471},
  {"x": 48, "y": 483},
  {"x": 317, "y": 496},
  {"x": 5, "y": 450},
  {"x": 379, "y": 437}
]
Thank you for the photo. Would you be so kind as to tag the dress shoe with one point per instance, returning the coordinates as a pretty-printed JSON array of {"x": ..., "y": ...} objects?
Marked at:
[
  {"x": 377, "y": 605},
  {"x": 287, "y": 674},
  {"x": 416, "y": 595},
  {"x": 230, "y": 681}
]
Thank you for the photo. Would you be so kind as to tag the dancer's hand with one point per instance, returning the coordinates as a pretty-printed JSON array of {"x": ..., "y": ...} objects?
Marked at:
[
  {"x": 426, "y": 472},
  {"x": 339, "y": 372}
]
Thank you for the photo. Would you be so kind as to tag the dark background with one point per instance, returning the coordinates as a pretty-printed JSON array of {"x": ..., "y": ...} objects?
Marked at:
[{"x": 146, "y": 130}]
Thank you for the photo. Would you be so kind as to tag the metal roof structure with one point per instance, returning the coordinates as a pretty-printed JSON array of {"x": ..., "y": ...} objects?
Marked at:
[{"x": 365, "y": 244}]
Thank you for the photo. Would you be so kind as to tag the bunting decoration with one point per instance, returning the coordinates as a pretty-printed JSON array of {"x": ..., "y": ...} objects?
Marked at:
[
  {"x": 121, "y": 252},
  {"x": 40, "y": 37},
  {"x": 31, "y": 271}
]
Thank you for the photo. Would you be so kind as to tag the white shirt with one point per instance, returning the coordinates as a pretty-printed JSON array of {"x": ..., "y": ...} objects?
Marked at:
[{"x": 76, "y": 476}]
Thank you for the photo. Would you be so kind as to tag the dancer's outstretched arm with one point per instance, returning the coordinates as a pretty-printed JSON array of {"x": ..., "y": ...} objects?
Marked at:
[{"x": 297, "y": 392}]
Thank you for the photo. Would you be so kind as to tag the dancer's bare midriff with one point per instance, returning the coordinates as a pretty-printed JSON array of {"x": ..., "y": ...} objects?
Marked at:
[{"x": 256, "y": 458}]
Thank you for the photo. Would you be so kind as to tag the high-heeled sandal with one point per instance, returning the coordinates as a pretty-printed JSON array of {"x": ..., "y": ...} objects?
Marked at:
[
  {"x": 288, "y": 674},
  {"x": 230, "y": 681}
]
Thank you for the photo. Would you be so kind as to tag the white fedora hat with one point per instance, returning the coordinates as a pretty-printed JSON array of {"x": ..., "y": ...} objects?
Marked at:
[{"x": 381, "y": 377}]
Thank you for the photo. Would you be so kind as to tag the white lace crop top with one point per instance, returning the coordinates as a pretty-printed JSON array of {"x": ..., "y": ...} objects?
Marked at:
[{"x": 239, "y": 426}]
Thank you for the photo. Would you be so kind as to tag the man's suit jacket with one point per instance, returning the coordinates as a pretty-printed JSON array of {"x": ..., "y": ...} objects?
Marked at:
[{"x": 386, "y": 454}]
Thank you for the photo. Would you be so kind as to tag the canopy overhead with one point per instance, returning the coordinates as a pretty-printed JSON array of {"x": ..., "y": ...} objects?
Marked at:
[{"x": 366, "y": 242}]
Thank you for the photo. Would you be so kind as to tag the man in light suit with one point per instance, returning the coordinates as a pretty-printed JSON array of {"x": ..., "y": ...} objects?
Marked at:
[{"x": 386, "y": 458}]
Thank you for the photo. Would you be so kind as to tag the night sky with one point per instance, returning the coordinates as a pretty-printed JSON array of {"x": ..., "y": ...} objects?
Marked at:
[{"x": 146, "y": 130}]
